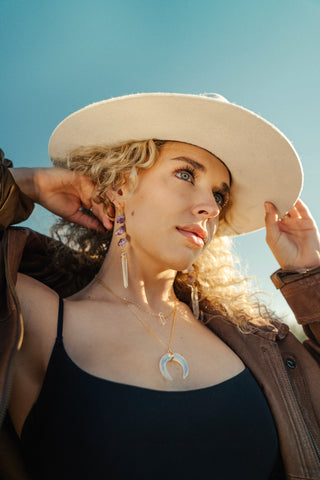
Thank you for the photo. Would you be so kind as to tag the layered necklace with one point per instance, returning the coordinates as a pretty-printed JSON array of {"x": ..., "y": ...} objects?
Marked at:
[{"x": 169, "y": 356}]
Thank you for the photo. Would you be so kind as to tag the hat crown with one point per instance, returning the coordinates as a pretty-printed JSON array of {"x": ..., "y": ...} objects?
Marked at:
[{"x": 216, "y": 96}]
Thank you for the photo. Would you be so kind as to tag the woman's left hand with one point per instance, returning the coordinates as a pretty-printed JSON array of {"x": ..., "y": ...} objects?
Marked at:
[{"x": 294, "y": 239}]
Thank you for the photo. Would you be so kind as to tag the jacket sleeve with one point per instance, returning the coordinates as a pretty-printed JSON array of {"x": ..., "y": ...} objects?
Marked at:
[
  {"x": 15, "y": 206},
  {"x": 303, "y": 297}
]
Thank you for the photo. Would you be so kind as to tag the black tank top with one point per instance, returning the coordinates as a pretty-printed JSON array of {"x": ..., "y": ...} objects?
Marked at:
[{"x": 86, "y": 428}]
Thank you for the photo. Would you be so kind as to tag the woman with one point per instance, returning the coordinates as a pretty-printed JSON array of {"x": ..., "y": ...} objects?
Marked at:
[{"x": 120, "y": 378}]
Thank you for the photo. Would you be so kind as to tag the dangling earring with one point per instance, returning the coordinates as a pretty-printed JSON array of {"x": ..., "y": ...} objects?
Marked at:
[
  {"x": 194, "y": 292},
  {"x": 121, "y": 231}
]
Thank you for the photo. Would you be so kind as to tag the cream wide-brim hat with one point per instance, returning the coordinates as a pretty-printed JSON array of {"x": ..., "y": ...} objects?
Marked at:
[{"x": 262, "y": 161}]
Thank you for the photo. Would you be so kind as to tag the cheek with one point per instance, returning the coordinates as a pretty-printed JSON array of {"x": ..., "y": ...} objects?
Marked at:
[
  {"x": 148, "y": 206},
  {"x": 151, "y": 213},
  {"x": 143, "y": 219}
]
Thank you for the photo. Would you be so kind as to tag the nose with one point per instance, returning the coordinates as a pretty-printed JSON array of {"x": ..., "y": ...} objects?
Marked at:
[{"x": 207, "y": 208}]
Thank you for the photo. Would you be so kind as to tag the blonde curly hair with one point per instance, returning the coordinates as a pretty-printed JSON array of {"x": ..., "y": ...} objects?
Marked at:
[{"x": 223, "y": 290}]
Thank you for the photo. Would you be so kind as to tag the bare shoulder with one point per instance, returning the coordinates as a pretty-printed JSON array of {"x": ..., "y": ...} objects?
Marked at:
[
  {"x": 39, "y": 308},
  {"x": 39, "y": 305}
]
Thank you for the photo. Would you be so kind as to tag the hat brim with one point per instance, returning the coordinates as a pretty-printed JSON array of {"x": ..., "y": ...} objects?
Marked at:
[{"x": 263, "y": 163}]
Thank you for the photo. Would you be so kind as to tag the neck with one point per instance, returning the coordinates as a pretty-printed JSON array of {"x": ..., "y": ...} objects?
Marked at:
[{"x": 148, "y": 284}]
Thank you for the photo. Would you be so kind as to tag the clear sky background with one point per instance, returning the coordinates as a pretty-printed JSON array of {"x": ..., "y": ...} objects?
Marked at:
[{"x": 59, "y": 56}]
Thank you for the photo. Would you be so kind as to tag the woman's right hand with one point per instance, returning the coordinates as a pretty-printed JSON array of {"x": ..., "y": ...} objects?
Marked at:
[{"x": 63, "y": 193}]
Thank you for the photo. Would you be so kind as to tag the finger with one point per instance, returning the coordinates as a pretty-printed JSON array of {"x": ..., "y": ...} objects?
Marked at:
[
  {"x": 272, "y": 222},
  {"x": 85, "y": 188},
  {"x": 86, "y": 221},
  {"x": 305, "y": 218},
  {"x": 303, "y": 209},
  {"x": 99, "y": 211},
  {"x": 293, "y": 213},
  {"x": 271, "y": 212}
]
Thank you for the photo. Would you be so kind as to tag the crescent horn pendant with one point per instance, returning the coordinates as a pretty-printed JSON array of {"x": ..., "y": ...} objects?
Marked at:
[{"x": 173, "y": 357}]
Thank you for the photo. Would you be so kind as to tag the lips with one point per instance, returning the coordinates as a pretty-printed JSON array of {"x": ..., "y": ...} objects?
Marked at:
[{"x": 194, "y": 233}]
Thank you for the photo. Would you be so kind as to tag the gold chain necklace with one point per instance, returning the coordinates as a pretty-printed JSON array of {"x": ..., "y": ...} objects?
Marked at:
[
  {"x": 161, "y": 316},
  {"x": 169, "y": 356}
]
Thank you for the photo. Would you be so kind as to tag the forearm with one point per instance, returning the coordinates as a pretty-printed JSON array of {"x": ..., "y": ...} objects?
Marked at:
[
  {"x": 25, "y": 179},
  {"x": 61, "y": 191}
]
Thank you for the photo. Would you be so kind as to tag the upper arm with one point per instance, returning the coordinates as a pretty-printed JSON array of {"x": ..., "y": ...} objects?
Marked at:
[{"x": 39, "y": 308}]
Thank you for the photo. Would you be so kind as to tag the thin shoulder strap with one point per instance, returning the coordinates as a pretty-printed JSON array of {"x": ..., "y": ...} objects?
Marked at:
[{"x": 60, "y": 319}]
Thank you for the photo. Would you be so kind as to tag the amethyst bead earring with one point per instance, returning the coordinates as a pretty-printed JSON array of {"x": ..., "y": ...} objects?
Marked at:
[{"x": 121, "y": 231}]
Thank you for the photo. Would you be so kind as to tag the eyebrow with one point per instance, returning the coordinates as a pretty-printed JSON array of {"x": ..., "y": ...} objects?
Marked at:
[
  {"x": 195, "y": 164},
  {"x": 225, "y": 188}
]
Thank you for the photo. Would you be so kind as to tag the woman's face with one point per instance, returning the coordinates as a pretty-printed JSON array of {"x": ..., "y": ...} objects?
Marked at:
[{"x": 174, "y": 211}]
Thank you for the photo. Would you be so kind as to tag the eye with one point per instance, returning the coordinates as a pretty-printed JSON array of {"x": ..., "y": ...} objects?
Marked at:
[
  {"x": 185, "y": 174},
  {"x": 221, "y": 199},
  {"x": 218, "y": 198}
]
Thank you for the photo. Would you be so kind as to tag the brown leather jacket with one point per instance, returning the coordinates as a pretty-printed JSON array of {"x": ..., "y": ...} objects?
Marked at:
[{"x": 287, "y": 371}]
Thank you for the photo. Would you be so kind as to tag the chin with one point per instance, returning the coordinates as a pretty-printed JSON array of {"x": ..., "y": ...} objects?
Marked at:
[{"x": 180, "y": 264}]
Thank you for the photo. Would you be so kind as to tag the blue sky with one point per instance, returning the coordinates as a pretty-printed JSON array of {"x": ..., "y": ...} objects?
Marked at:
[{"x": 58, "y": 56}]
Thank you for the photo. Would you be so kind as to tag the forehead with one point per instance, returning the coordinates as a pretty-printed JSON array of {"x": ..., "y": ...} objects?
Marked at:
[{"x": 178, "y": 150}]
